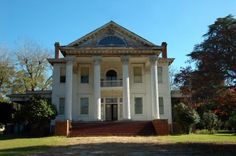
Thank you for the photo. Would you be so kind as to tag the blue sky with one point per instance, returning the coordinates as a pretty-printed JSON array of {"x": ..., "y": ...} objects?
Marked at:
[{"x": 180, "y": 23}]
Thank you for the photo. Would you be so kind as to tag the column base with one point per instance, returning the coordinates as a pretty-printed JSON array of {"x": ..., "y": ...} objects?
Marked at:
[{"x": 62, "y": 128}]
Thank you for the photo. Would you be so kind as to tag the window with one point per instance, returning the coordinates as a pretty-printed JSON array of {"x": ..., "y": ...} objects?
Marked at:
[
  {"x": 138, "y": 105},
  {"x": 61, "y": 108},
  {"x": 111, "y": 100},
  {"x": 160, "y": 75},
  {"x": 111, "y": 75},
  {"x": 161, "y": 105},
  {"x": 111, "y": 41},
  {"x": 137, "y": 74},
  {"x": 84, "y": 75},
  {"x": 84, "y": 105},
  {"x": 62, "y": 75}
]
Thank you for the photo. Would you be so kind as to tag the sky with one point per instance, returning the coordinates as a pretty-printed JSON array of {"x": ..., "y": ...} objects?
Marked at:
[{"x": 179, "y": 23}]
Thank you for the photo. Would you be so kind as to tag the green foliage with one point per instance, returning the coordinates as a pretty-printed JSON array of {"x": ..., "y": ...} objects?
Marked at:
[
  {"x": 210, "y": 121},
  {"x": 232, "y": 122},
  {"x": 185, "y": 116},
  {"x": 7, "y": 72},
  {"x": 205, "y": 131},
  {"x": 211, "y": 84},
  {"x": 36, "y": 114}
]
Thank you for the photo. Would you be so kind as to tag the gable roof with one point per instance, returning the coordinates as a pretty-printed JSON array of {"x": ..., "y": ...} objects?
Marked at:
[{"x": 119, "y": 28}]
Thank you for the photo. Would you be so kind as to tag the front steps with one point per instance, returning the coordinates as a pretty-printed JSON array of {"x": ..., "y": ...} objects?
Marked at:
[{"x": 118, "y": 128}]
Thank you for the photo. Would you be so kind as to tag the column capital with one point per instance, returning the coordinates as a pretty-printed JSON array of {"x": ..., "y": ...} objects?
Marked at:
[
  {"x": 70, "y": 59},
  {"x": 125, "y": 59},
  {"x": 97, "y": 59},
  {"x": 153, "y": 59}
]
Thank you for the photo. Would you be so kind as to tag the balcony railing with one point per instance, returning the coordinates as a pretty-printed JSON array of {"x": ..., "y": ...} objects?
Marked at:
[{"x": 111, "y": 83}]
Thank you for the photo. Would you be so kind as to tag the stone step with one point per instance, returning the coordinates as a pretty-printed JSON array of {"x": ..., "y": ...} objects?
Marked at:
[{"x": 112, "y": 128}]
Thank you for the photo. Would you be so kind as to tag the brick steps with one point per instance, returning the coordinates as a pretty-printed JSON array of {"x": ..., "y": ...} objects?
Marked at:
[{"x": 112, "y": 128}]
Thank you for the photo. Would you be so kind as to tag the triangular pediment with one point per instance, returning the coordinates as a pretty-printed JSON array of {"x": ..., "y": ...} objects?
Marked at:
[{"x": 111, "y": 35}]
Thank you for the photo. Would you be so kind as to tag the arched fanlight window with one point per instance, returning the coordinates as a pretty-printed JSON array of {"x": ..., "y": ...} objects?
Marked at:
[
  {"x": 111, "y": 75},
  {"x": 111, "y": 41}
]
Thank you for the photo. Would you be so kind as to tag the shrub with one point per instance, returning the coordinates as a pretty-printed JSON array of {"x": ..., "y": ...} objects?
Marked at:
[
  {"x": 210, "y": 121},
  {"x": 36, "y": 116},
  {"x": 204, "y": 131},
  {"x": 232, "y": 122},
  {"x": 186, "y": 117}
]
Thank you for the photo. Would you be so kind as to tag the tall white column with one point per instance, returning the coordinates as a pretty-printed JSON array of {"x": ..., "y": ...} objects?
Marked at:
[
  {"x": 68, "y": 93},
  {"x": 126, "y": 89},
  {"x": 97, "y": 88},
  {"x": 154, "y": 87}
]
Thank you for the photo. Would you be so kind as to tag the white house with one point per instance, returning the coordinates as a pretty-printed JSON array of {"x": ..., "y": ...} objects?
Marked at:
[{"x": 111, "y": 74}]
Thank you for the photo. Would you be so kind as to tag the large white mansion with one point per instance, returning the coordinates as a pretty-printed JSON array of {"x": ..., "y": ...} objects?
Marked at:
[{"x": 111, "y": 74}]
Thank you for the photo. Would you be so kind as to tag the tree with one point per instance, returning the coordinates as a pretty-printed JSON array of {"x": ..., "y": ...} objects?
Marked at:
[
  {"x": 185, "y": 116},
  {"x": 32, "y": 67},
  {"x": 36, "y": 114},
  {"x": 215, "y": 57},
  {"x": 6, "y": 72},
  {"x": 210, "y": 121},
  {"x": 172, "y": 73},
  {"x": 211, "y": 82}
]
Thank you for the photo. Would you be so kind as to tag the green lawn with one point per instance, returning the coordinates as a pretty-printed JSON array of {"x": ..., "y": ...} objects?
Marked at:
[{"x": 12, "y": 145}]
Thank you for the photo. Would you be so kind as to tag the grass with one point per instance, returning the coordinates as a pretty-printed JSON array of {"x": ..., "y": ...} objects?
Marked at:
[{"x": 13, "y": 145}]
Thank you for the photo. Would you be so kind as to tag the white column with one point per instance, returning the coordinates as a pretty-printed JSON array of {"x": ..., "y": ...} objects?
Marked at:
[
  {"x": 154, "y": 87},
  {"x": 126, "y": 89},
  {"x": 97, "y": 88},
  {"x": 68, "y": 92}
]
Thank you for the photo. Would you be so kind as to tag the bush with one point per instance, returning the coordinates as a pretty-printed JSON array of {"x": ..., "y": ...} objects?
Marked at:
[
  {"x": 36, "y": 116},
  {"x": 205, "y": 131},
  {"x": 210, "y": 121},
  {"x": 232, "y": 122},
  {"x": 186, "y": 117}
]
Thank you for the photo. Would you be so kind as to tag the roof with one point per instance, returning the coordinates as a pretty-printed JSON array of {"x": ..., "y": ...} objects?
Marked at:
[{"x": 114, "y": 26}]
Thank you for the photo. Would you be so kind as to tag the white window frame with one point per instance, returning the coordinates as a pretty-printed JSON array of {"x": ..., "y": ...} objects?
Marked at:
[
  {"x": 163, "y": 103},
  {"x": 142, "y": 73},
  {"x": 89, "y": 73},
  {"x": 62, "y": 75},
  {"x": 160, "y": 74},
  {"x": 81, "y": 106},
  {"x": 135, "y": 105},
  {"x": 59, "y": 103}
]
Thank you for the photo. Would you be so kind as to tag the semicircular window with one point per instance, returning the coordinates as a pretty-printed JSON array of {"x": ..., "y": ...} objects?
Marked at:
[{"x": 111, "y": 41}]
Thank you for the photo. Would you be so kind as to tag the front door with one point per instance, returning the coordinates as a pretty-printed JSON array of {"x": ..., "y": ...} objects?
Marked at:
[{"x": 111, "y": 112}]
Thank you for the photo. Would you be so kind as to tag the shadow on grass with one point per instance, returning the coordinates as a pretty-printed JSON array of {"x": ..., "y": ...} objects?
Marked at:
[
  {"x": 15, "y": 136},
  {"x": 116, "y": 149}
]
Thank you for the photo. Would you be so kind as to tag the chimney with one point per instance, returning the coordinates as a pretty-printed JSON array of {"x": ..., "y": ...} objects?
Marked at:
[
  {"x": 57, "y": 46},
  {"x": 164, "y": 49}
]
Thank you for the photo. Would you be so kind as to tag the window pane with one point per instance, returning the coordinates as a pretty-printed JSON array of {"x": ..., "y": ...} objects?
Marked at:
[
  {"x": 62, "y": 74},
  {"x": 61, "y": 108},
  {"x": 161, "y": 105},
  {"x": 84, "y": 75},
  {"x": 138, "y": 105},
  {"x": 111, "y": 100},
  {"x": 84, "y": 105},
  {"x": 137, "y": 74},
  {"x": 159, "y": 74}
]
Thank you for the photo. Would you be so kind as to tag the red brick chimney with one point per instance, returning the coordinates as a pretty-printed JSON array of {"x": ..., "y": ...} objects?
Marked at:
[
  {"x": 164, "y": 49},
  {"x": 57, "y": 46}
]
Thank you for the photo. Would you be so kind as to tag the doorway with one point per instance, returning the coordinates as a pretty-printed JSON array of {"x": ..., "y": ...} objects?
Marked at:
[{"x": 111, "y": 112}]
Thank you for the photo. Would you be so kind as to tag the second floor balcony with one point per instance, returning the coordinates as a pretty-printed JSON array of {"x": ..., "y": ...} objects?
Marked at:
[{"x": 111, "y": 83}]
